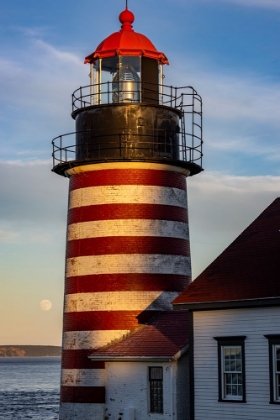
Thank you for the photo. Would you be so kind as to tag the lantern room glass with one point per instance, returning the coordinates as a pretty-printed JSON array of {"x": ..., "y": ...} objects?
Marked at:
[
  {"x": 120, "y": 79},
  {"x": 123, "y": 76}
]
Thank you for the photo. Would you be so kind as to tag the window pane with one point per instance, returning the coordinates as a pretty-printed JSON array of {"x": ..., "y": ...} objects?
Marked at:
[
  {"x": 233, "y": 366},
  {"x": 234, "y": 390},
  {"x": 277, "y": 389},
  {"x": 156, "y": 373},
  {"x": 238, "y": 365},
  {"x": 227, "y": 365},
  {"x": 227, "y": 352},
  {"x": 232, "y": 374},
  {"x": 228, "y": 378},
  {"x": 277, "y": 358},
  {"x": 234, "y": 378}
]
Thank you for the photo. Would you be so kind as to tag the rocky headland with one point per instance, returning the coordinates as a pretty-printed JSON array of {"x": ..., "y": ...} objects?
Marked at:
[{"x": 30, "y": 351}]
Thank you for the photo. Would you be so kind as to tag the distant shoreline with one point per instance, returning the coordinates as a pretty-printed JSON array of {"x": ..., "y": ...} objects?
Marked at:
[
  {"x": 29, "y": 357},
  {"x": 10, "y": 351}
]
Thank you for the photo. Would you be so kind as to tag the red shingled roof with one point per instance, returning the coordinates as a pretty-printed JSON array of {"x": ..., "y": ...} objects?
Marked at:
[
  {"x": 248, "y": 269},
  {"x": 163, "y": 337}
]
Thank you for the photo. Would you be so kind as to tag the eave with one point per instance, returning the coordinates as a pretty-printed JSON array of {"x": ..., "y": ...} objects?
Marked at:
[
  {"x": 228, "y": 304},
  {"x": 107, "y": 358}
]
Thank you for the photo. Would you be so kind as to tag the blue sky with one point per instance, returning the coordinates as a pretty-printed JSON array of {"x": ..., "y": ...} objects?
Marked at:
[{"x": 227, "y": 49}]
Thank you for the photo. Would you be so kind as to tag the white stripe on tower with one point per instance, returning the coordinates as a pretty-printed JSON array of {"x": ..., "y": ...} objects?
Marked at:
[
  {"x": 121, "y": 194},
  {"x": 128, "y": 227},
  {"x": 89, "y": 340},
  {"x": 127, "y": 263},
  {"x": 117, "y": 301},
  {"x": 83, "y": 377},
  {"x": 127, "y": 259}
]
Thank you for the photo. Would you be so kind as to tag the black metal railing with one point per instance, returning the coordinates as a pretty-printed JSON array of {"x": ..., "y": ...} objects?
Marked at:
[
  {"x": 104, "y": 93},
  {"x": 123, "y": 146},
  {"x": 183, "y": 146}
]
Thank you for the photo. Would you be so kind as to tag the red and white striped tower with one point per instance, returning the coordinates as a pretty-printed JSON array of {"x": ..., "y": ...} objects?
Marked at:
[{"x": 127, "y": 243}]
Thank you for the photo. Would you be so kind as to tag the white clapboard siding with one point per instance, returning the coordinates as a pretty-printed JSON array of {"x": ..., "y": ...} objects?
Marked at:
[{"x": 254, "y": 324}]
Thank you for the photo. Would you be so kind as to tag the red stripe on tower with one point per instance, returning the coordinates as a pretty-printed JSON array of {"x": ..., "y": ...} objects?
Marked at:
[{"x": 131, "y": 281}]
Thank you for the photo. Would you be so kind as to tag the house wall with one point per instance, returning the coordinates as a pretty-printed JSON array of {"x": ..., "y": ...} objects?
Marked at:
[
  {"x": 182, "y": 388},
  {"x": 254, "y": 324},
  {"x": 127, "y": 384}
]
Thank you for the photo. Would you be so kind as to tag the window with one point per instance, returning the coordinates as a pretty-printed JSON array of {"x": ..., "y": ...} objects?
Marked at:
[
  {"x": 274, "y": 367},
  {"x": 156, "y": 389},
  {"x": 231, "y": 368},
  {"x": 276, "y": 356}
]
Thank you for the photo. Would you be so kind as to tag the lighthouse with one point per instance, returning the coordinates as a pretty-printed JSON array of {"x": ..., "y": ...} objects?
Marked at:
[{"x": 127, "y": 254}]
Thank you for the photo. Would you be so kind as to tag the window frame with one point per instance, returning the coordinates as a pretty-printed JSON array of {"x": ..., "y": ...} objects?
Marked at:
[
  {"x": 274, "y": 376},
  {"x": 152, "y": 405},
  {"x": 230, "y": 342}
]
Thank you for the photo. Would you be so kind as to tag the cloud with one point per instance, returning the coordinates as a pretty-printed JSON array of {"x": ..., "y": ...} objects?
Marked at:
[
  {"x": 231, "y": 97},
  {"x": 246, "y": 145},
  {"x": 25, "y": 234},
  {"x": 8, "y": 236},
  {"x": 241, "y": 114},
  {"x": 34, "y": 32},
  {"x": 56, "y": 54},
  {"x": 221, "y": 206},
  {"x": 36, "y": 96},
  {"x": 268, "y": 4},
  {"x": 39, "y": 77},
  {"x": 32, "y": 195}
]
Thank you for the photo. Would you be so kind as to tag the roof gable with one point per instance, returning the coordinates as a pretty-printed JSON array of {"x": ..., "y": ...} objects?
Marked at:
[{"x": 249, "y": 268}]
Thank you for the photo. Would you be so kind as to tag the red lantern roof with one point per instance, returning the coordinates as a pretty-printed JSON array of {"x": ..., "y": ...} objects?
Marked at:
[{"x": 126, "y": 42}]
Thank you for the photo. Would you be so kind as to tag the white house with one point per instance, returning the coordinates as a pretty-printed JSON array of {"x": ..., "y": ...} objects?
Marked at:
[
  {"x": 146, "y": 373},
  {"x": 234, "y": 311}
]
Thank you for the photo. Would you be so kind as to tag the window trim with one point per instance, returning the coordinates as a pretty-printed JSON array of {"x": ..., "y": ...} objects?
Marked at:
[
  {"x": 236, "y": 341},
  {"x": 273, "y": 341}
]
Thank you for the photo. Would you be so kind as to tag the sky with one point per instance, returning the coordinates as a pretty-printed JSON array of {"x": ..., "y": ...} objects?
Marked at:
[{"x": 228, "y": 50}]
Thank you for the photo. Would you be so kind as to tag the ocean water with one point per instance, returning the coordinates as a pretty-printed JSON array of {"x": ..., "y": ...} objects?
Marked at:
[{"x": 29, "y": 388}]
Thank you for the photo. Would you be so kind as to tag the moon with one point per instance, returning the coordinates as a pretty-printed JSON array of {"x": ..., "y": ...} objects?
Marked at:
[{"x": 46, "y": 305}]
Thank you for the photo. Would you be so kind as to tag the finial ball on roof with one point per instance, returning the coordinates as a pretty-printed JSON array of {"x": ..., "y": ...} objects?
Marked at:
[{"x": 126, "y": 17}]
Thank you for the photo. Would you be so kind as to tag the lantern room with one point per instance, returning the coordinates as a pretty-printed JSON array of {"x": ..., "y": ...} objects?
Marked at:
[
  {"x": 127, "y": 113},
  {"x": 129, "y": 63}
]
